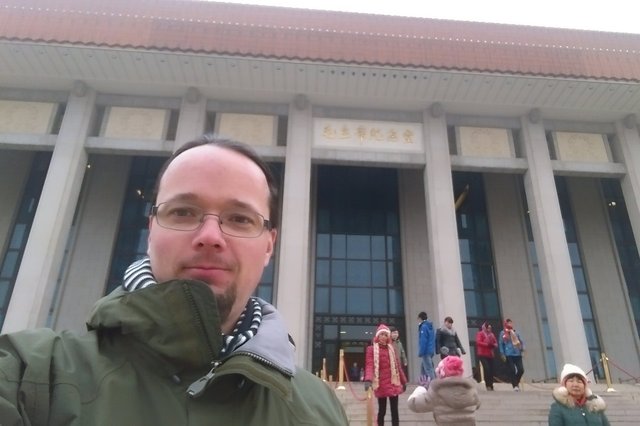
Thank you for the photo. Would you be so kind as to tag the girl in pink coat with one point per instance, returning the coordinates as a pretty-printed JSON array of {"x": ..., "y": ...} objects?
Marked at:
[{"x": 383, "y": 372}]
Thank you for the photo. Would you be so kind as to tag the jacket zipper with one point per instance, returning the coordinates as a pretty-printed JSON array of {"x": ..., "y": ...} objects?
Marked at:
[
  {"x": 198, "y": 387},
  {"x": 265, "y": 362}
]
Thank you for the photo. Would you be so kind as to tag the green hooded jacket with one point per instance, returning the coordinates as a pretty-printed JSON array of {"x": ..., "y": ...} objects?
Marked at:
[
  {"x": 151, "y": 358},
  {"x": 564, "y": 411}
]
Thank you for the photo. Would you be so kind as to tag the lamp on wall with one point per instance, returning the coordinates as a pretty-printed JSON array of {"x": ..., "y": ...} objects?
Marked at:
[
  {"x": 534, "y": 116},
  {"x": 79, "y": 88},
  {"x": 630, "y": 121},
  {"x": 193, "y": 95},
  {"x": 437, "y": 110},
  {"x": 301, "y": 102}
]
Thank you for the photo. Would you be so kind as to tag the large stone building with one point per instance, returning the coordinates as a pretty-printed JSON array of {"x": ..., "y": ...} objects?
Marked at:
[{"x": 480, "y": 171}]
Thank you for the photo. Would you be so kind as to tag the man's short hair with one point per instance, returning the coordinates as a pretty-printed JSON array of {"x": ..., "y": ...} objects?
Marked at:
[
  {"x": 422, "y": 315},
  {"x": 448, "y": 319},
  {"x": 240, "y": 148}
]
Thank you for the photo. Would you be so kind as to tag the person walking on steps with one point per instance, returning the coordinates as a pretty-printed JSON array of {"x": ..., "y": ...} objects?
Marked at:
[
  {"x": 426, "y": 348},
  {"x": 447, "y": 340},
  {"x": 511, "y": 350},
  {"x": 486, "y": 343}
]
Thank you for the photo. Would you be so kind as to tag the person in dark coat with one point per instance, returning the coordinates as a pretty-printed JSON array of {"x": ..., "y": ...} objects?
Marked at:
[
  {"x": 574, "y": 403},
  {"x": 383, "y": 373},
  {"x": 447, "y": 340}
]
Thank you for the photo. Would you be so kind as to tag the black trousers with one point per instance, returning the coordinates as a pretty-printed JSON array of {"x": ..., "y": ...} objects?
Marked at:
[
  {"x": 516, "y": 368},
  {"x": 487, "y": 367},
  {"x": 382, "y": 410}
]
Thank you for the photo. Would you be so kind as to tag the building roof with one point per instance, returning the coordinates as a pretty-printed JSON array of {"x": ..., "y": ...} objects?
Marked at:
[{"x": 321, "y": 36}]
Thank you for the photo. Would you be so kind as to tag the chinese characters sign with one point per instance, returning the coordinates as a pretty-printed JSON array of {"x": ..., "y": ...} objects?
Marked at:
[{"x": 368, "y": 135}]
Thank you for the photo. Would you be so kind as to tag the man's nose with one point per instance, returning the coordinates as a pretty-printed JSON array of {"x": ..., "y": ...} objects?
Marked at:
[{"x": 210, "y": 232}]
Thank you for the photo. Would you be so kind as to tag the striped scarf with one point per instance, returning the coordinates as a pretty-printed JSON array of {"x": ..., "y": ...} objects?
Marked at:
[
  {"x": 139, "y": 275},
  {"x": 395, "y": 376}
]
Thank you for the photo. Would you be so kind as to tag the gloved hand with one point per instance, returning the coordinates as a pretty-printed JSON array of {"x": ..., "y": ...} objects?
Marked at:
[
  {"x": 503, "y": 358},
  {"x": 367, "y": 385},
  {"x": 419, "y": 394},
  {"x": 404, "y": 387}
]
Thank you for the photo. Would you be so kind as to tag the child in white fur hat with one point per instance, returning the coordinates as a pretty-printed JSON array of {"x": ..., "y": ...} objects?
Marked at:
[
  {"x": 574, "y": 403},
  {"x": 452, "y": 398}
]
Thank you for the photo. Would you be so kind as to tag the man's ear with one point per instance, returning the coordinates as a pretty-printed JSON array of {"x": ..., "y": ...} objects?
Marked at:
[
  {"x": 273, "y": 234},
  {"x": 149, "y": 234}
]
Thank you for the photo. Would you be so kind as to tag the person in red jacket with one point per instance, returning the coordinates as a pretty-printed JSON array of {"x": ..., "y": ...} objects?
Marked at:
[
  {"x": 485, "y": 345},
  {"x": 383, "y": 373}
]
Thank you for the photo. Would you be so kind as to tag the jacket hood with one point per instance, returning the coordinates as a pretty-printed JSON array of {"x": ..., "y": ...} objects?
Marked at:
[
  {"x": 458, "y": 392},
  {"x": 594, "y": 402},
  {"x": 179, "y": 320}
]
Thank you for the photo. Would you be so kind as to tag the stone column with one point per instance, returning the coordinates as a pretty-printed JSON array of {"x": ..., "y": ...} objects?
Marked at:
[
  {"x": 556, "y": 274},
  {"x": 628, "y": 152},
  {"x": 193, "y": 116},
  {"x": 40, "y": 266},
  {"x": 293, "y": 289},
  {"x": 444, "y": 252},
  {"x": 97, "y": 223}
]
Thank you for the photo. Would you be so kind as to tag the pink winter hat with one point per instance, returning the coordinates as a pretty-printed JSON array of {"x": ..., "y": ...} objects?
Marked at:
[
  {"x": 382, "y": 328},
  {"x": 449, "y": 367}
]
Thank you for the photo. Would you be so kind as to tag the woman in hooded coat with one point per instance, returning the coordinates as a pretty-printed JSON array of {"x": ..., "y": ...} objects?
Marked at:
[
  {"x": 383, "y": 372},
  {"x": 574, "y": 403}
]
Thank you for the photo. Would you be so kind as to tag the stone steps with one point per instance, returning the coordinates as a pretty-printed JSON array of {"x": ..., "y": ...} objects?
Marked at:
[{"x": 503, "y": 407}]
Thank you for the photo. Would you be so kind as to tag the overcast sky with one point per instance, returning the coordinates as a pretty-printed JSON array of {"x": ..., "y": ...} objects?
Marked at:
[{"x": 610, "y": 15}]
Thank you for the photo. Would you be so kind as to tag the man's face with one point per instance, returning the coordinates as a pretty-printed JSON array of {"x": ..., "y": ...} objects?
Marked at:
[
  {"x": 214, "y": 179},
  {"x": 394, "y": 335},
  {"x": 448, "y": 324}
]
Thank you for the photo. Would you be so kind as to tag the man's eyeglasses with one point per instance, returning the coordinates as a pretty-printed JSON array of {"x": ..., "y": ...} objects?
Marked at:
[{"x": 242, "y": 223}]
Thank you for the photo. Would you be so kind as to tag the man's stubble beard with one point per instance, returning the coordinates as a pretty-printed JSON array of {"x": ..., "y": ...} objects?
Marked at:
[{"x": 225, "y": 302}]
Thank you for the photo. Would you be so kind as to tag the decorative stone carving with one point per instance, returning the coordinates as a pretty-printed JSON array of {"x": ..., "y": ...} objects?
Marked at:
[
  {"x": 136, "y": 123},
  {"x": 26, "y": 117},
  {"x": 252, "y": 129},
  {"x": 368, "y": 135},
  {"x": 583, "y": 147},
  {"x": 484, "y": 142}
]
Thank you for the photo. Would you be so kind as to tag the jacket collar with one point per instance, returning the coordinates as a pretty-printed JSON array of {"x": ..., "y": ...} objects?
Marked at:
[
  {"x": 179, "y": 320},
  {"x": 594, "y": 402}
]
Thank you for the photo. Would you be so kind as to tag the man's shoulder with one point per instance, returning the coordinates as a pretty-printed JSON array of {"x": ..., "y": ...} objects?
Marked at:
[
  {"x": 41, "y": 340},
  {"x": 40, "y": 350}
]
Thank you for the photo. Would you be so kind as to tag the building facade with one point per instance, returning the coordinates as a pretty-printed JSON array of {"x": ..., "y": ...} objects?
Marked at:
[{"x": 477, "y": 171}]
